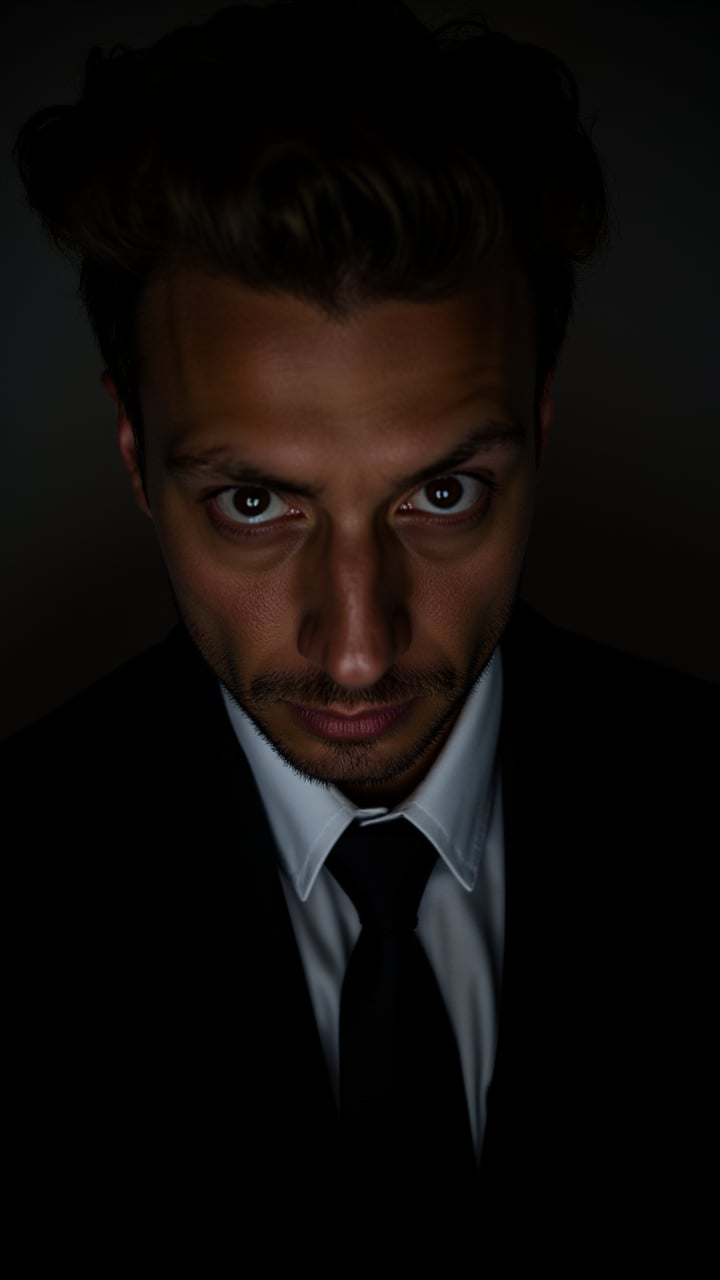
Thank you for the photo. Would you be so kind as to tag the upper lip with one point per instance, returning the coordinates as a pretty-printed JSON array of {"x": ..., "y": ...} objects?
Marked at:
[{"x": 372, "y": 709}]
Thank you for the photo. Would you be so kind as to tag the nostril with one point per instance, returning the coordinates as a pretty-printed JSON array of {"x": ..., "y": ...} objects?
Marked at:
[{"x": 354, "y": 650}]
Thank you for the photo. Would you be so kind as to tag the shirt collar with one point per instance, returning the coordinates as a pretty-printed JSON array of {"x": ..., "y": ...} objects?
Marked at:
[{"x": 451, "y": 806}]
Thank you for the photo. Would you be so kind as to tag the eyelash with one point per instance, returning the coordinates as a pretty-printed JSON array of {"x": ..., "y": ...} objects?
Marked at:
[
  {"x": 454, "y": 520},
  {"x": 263, "y": 529}
]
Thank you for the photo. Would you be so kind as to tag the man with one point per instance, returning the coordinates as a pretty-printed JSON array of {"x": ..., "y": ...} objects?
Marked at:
[{"x": 328, "y": 257}]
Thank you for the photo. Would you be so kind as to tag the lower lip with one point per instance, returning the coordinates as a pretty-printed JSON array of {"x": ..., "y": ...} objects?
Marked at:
[{"x": 366, "y": 724}]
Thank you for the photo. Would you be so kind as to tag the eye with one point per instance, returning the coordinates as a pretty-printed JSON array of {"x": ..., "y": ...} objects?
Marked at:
[
  {"x": 251, "y": 504},
  {"x": 454, "y": 495}
]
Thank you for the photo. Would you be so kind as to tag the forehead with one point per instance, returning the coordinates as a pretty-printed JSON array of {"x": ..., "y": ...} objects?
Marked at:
[{"x": 214, "y": 352}]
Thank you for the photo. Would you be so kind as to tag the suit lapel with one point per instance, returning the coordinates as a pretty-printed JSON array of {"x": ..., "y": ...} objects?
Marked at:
[
  {"x": 206, "y": 861},
  {"x": 591, "y": 836}
]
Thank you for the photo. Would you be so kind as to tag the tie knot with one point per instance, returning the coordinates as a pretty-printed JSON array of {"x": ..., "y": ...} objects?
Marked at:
[{"x": 383, "y": 868}]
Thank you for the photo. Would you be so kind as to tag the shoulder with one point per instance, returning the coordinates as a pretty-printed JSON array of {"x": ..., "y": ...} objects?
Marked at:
[
  {"x": 608, "y": 732},
  {"x": 143, "y": 688},
  {"x": 148, "y": 727},
  {"x": 610, "y": 766},
  {"x": 579, "y": 677}
]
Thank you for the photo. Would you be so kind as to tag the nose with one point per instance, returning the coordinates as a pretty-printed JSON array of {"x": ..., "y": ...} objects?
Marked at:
[{"x": 354, "y": 622}]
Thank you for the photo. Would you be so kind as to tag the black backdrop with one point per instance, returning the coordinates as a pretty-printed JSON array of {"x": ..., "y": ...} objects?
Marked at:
[{"x": 627, "y": 530}]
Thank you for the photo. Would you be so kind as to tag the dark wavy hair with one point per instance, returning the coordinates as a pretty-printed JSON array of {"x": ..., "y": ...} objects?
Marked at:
[{"x": 337, "y": 150}]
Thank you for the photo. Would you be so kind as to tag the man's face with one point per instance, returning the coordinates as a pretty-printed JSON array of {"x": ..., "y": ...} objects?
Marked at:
[{"x": 343, "y": 507}]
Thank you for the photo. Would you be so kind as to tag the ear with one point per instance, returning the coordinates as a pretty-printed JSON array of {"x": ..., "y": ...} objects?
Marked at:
[
  {"x": 546, "y": 415},
  {"x": 127, "y": 443}
]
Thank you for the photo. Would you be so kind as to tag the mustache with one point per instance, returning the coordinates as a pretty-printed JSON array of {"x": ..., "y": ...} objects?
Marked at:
[{"x": 320, "y": 690}]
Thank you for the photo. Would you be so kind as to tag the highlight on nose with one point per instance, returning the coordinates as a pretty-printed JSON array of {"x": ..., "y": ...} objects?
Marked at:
[
  {"x": 355, "y": 642},
  {"x": 355, "y": 624}
]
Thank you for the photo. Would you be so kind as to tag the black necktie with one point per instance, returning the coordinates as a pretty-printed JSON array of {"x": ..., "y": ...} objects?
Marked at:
[{"x": 404, "y": 1118}]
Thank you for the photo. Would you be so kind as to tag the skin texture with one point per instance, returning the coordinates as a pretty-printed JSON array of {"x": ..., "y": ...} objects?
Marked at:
[{"x": 318, "y": 577}]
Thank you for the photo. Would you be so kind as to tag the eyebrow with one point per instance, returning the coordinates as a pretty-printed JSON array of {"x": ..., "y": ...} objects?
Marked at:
[
  {"x": 492, "y": 435},
  {"x": 221, "y": 461}
]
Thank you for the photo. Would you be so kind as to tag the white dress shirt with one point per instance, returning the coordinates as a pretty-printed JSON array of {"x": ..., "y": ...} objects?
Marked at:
[{"x": 458, "y": 806}]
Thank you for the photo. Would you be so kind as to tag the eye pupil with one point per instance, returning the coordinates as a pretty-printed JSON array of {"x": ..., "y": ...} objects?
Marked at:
[
  {"x": 445, "y": 493},
  {"x": 251, "y": 501}
]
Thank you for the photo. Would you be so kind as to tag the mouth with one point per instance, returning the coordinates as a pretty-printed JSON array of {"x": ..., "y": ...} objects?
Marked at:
[{"x": 371, "y": 722}]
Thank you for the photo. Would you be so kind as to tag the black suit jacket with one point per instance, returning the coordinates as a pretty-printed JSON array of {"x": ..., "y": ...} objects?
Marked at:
[{"x": 161, "y": 1052}]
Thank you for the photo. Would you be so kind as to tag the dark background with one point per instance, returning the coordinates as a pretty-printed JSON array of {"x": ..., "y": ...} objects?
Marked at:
[{"x": 627, "y": 531}]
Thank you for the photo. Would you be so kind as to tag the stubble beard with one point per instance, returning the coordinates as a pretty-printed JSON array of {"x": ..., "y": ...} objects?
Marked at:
[
  {"x": 354, "y": 763},
  {"x": 351, "y": 764}
]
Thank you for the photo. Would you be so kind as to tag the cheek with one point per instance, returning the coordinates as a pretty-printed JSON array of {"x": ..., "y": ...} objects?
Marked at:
[
  {"x": 250, "y": 612},
  {"x": 462, "y": 600},
  {"x": 455, "y": 609},
  {"x": 243, "y": 609}
]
